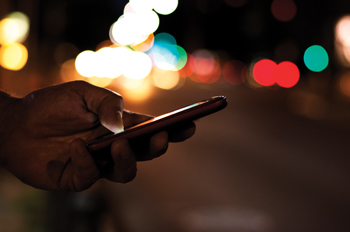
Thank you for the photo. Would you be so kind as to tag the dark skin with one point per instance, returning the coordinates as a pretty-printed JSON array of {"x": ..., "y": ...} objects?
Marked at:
[{"x": 43, "y": 137}]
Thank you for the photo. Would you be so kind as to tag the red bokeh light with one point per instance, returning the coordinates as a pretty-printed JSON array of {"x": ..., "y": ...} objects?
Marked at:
[
  {"x": 263, "y": 72},
  {"x": 189, "y": 68},
  {"x": 266, "y": 72},
  {"x": 208, "y": 70},
  {"x": 286, "y": 74}
]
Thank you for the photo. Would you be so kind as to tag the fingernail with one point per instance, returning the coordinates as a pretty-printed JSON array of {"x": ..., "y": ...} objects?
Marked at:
[{"x": 120, "y": 126}]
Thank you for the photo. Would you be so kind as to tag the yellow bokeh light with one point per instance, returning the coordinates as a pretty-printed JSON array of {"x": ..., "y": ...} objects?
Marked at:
[
  {"x": 68, "y": 71},
  {"x": 165, "y": 7},
  {"x": 14, "y": 28},
  {"x": 165, "y": 79},
  {"x": 138, "y": 94},
  {"x": 22, "y": 21},
  {"x": 13, "y": 56},
  {"x": 9, "y": 31},
  {"x": 128, "y": 83},
  {"x": 100, "y": 81},
  {"x": 135, "y": 89}
]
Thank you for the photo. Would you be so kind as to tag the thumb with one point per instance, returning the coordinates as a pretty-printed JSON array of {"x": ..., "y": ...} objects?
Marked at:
[
  {"x": 110, "y": 114},
  {"x": 107, "y": 104}
]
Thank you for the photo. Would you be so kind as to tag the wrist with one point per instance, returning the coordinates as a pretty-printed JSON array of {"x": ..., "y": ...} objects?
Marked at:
[{"x": 6, "y": 105}]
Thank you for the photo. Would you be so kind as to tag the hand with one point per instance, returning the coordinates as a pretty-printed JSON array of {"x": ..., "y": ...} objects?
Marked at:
[{"x": 44, "y": 136}]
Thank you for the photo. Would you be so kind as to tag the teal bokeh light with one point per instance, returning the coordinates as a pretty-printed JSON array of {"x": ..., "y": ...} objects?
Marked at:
[
  {"x": 316, "y": 58},
  {"x": 166, "y": 54},
  {"x": 165, "y": 38}
]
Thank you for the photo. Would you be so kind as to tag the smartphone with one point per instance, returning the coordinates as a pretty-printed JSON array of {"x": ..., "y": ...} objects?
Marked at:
[{"x": 162, "y": 122}]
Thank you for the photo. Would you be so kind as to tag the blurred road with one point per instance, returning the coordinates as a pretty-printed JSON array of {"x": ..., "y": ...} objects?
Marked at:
[{"x": 251, "y": 167}]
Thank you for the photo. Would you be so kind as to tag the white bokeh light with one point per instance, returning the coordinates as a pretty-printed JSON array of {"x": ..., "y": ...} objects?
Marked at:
[
  {"x": 134, "y": 28},
  {"x": 142, "y": 5},
  {"x": 342, "y": 30},
  {"x": 109, "y": 63},
  {"x": 85, "y": 63},
  {"x": 137, "y": 65},
  {"x": 165, "y": 7}
]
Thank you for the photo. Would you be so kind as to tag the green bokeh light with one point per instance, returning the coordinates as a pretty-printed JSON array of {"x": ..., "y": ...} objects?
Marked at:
[
  {"x": 316, "y": 58},
  {"x": 182, "y": 58}
]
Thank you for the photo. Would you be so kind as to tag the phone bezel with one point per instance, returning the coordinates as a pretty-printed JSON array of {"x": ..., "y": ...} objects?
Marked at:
[{"x": 163, "y": 122}]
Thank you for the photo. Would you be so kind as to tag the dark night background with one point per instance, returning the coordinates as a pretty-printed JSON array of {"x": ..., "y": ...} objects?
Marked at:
[{"x": 274, "y": 160}]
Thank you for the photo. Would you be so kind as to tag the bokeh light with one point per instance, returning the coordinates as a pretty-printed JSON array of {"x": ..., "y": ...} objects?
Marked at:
[
  {"x": 342, "y": 30},
  {"x": 165, "y": 38},
  {"x": 204, "y": 67},
  {"x": 13, "y": 56},
  {"x": 14, "y": 28},
  {"x": 342, "y": 40},
  {"x": 129, "y": 83},
  {"x": 123, "y": 31},
  {"x": 108, "y": 63},
  {"x": 165, "y": 7},
  {"x": 165, "y": 53},
  {"x": 134, "y": 28},
  {"x": 140, "y": 5},
  {"x": 234, "y": 72},
  {"x": 316, "y": 58},
  {"x": 129, "y": 9},
  {"x": 182, "y": 58},
  {"x": 165, "y": 79},
  {"x": 100, "y": 81},
  {"x": 68, "y": 71},
  {"x": 283, "y": 10},
  {"x": 85, "y": 63},
  {"x": 263, "y": 72},
  {"x": 267, "y": 73},
  {"x": 9, "y": 31},
  {"x": 344, "y": 83},
  {"x": 286, "y": 74},
  {"x": 145, "y": 45},
  {"x": 189, "y": 67},
  {"x": 135, "y": 89},
  {"x": 23, "y": 22},
  {"x": 208, "y": 70},
  {"x": 137, "y": 65}
]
